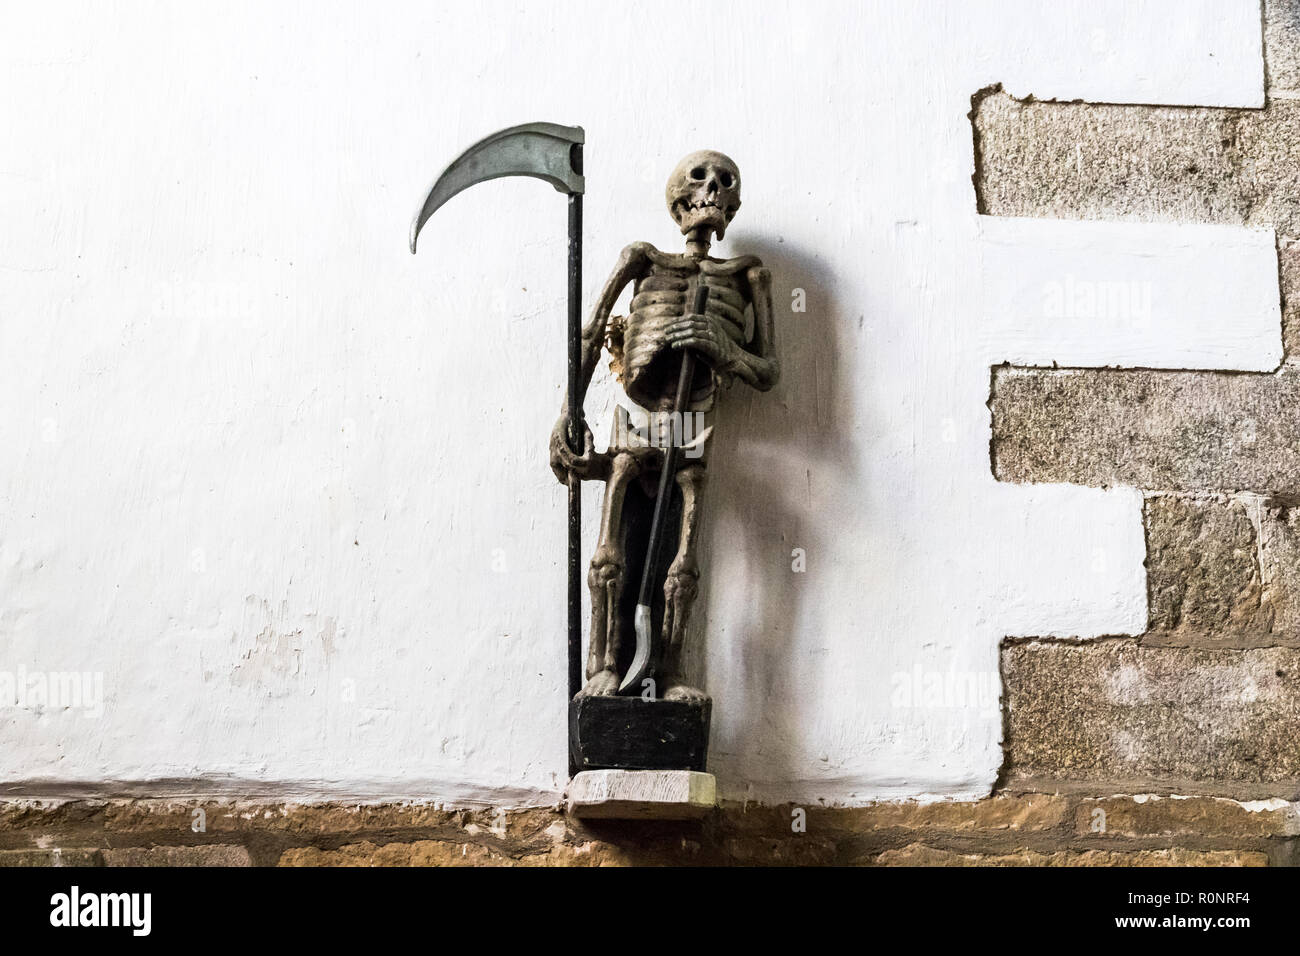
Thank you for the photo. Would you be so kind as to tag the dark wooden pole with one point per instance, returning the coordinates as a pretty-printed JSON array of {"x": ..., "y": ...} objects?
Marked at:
[{"x": 575, "y": 441}]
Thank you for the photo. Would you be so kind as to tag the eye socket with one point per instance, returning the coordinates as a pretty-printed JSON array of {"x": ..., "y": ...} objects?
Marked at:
[
  {"x": 697, "y": 172},
  {"x": 726, "y": 179}
]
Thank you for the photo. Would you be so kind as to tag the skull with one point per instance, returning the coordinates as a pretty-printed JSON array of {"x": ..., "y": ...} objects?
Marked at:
[{"x": 704, "y": 192}]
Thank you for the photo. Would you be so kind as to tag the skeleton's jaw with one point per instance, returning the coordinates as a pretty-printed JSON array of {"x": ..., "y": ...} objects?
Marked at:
[
  {"x": 696, "y": 216},
  {"x": 699, "y": 226}
]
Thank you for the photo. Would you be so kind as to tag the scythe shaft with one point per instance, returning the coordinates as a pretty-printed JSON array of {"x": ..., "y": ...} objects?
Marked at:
[{"x": 575, "y": 440}]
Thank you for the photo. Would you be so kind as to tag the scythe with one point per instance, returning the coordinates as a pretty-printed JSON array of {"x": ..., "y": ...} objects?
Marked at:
[{"x": 553, "y": 154}]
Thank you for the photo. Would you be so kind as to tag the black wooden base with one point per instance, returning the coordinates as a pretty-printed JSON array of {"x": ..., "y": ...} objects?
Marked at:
[{"x": 628, "y": 733}]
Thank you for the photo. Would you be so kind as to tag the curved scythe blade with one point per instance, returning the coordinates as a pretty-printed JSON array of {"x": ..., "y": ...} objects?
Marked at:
[{"x": 541, "y": 150}]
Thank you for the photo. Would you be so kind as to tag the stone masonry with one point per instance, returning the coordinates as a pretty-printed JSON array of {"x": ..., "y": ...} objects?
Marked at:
[
  {"x": 1178, "y": 746},
  {"x": 1206, "y": 701},
  {"x": 1004, "y": 830}
]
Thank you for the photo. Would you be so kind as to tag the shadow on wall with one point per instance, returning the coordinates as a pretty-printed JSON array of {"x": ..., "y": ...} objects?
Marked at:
[{"x": 770, "y": 447}]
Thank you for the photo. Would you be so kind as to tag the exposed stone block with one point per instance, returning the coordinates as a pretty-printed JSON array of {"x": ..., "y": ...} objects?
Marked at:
[
  {"x": 415, "y": 853},
  {"x": 1005, "y": 813},
  {"x": 1155, "y": 430},
  {"x": 1099, "y": 161},
  {"x": 1280, "y": 559},
  {"x": 917, "y": 854},
  {"x": 1288, "y": 261},
  {"x": 1149, "y": 163},
  {"x": 1282, "y": 45},
  {"x": 52, "y": 857},
  {"x": 1182, "y": 817},
  {"x": 1162, "y": 718},
  {"x": 1202, "y": 568},
  {"x": 206, "y": 855}
]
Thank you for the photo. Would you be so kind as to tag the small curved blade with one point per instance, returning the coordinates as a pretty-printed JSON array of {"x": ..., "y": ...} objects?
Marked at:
[
  {"x": 541, "y": 150},
  {"x": 641, "y": 661}
]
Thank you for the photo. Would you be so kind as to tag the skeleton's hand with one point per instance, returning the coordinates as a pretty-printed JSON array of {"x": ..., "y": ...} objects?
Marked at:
[
  {"x": 705, "y": 335},
  {"x": 591, "y": 464}
]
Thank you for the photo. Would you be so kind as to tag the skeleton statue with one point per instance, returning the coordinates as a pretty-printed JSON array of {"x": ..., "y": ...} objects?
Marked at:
[{"x": 733, "y": 339}]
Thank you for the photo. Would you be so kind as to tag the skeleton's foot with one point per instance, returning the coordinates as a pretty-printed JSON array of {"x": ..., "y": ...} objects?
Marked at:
[
  {"x": 675, "y": 689},
  {"x": 680, "y": 588},
  {"x": 601, "y": 684}
]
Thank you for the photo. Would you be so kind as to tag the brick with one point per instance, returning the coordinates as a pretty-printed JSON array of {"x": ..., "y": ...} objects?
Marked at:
[
  {"x": 1288, "y": 263},
  {"x": 1280, "y": 568},
  {"x": 1217, "y": 721},
  {"x": 1282, "y": 45},
  {"x": 1268, "y": 178},
  {"x": 917, "y": 854},
  {"x": 150, "y": 818},
  {"x": 1148, "y": 163},
  {"x": 1098, "y": 161},
  {"x": 781, "y": 848},
  {"x": 207, "y": 855},
  {"x": 78, "y": 856},
  {"x": 1005, "y": 812},
  {"x": 1202, "y": 567},
  {"x": 1159, "y": 431},
  {"x": 1198, "y": 817},
  {"x": 416, "y": 853}
]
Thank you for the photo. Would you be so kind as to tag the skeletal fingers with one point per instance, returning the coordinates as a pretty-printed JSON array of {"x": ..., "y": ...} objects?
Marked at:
[
  {"x": 699, "y": 333},
  {"x": 590, "y": 464}
]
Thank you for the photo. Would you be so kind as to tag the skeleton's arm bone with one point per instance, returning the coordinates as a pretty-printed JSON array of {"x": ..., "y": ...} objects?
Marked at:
[
  {"x": 630, "y": 263},
  {"x": 758, "y": 366}
]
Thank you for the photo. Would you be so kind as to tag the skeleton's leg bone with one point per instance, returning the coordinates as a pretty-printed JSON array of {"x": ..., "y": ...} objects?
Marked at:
[
  {"x": 606, "y": 578},
  {"x": 681, "y": 585}
]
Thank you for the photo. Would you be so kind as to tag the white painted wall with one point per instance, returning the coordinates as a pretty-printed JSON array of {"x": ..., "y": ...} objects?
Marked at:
[{"x": 284, "y": 486}]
